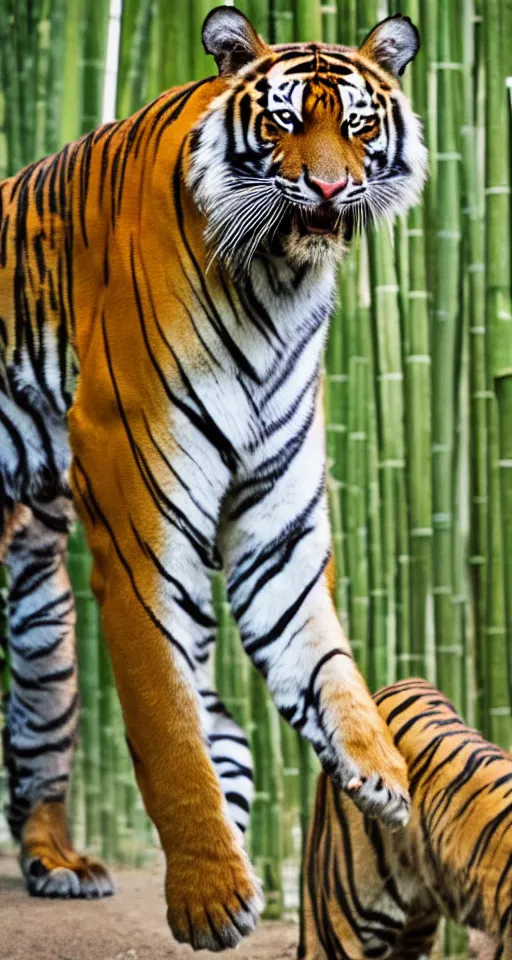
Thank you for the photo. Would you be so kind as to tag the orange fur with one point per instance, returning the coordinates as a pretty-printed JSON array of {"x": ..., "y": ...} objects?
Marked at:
[{"x": 367, "y": 889}]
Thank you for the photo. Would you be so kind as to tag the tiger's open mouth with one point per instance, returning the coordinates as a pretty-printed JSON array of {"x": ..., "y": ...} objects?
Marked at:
[{"x": 323, "y": 221}]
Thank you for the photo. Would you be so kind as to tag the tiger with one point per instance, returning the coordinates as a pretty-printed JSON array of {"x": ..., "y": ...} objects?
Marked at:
[
  {"x": 369, "y": 892},
  {"x": 165, "y": 288}
]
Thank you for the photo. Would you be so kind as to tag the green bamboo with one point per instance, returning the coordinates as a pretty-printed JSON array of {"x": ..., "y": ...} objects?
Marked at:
[
  {"x": 291, "y": 798},
  {"x": 11, "y": 93},
  {"x": 202, "y": 65},
  {"x": 336, "y": 406},
  {"x": 87, "y": 633},
  {"x": 56, "y": 77},
  {"x": 281, "y": 21},
  {"x": 386, "y": 337},
  {"x": 93, "y": 70},
  {"x": 44, "y": 35},
  {"x": 4, "y": 833},
  {"x": 134, "y": 79},
  {"x": 108, "y": 806},
  {"x": 70, "y": 115},
  {"x": 478, "y": 387},
  {"x": 429, "y": 41},
  {"x": 266, "y": 847},
  {"x": 498, "y": 316},
  {"x": 347, "y": 22},
  {"x": 308, "y": 20},
  {"x": 381, "y": 670},
  {"x": 4, "y": 143},
  {"x": 355, "y": 324},
  {"x": 418, "y": 409},
  {"x": 445, "y": 331},
  {"x": 24, "y": 37}
]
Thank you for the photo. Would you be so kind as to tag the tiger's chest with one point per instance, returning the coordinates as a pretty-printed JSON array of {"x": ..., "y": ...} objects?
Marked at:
[{"x": 259, "y": 380}]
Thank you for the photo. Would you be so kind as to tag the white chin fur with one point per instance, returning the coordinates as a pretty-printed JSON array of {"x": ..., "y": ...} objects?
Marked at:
[{"x": 313, "y": 251}]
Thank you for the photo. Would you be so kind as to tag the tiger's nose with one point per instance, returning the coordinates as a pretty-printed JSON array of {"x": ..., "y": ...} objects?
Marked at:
[{"x": 329, "y": 190}]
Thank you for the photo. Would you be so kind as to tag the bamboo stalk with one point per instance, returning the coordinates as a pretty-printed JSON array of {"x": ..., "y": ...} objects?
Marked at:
[
  {"x": 308, "y": 20},
  {"x": 418, "y": 405},
  {"x": 498, "y": 316},
  {"x": 201, "y": 64},
  {"x": 355, "y": 323},
  {"x": 44, "y": 35},
  {"x": 56, "y": 76},
  {"x": 133, "y": 80},
  {"x": 478, "y": 386},
  {"x": 445, "y": 327},
  {"x": 281, "y": 21},
  {"x": 72, "y": 69},
  {"x": 87, "y": 634},
  {"x": 93, "y": 71}
]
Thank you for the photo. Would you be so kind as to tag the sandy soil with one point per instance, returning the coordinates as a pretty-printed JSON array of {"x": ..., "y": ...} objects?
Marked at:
[{"x": 129, "y": 926}]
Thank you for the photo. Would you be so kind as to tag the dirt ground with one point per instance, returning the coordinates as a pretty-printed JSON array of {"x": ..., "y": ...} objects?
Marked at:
[{"x": 129, "y": 926}]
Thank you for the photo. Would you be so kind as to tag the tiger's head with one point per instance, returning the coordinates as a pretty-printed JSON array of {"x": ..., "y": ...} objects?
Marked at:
[{"x": 306, "y": 141}]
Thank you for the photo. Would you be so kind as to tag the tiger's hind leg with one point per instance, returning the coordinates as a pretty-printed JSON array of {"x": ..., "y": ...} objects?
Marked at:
[{"x": 43, "y": 707}]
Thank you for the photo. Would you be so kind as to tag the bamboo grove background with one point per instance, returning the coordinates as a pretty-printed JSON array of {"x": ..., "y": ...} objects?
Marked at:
[{"x": 418, "y": 386}]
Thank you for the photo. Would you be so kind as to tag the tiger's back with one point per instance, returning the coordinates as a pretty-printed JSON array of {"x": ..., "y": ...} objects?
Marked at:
[{"x": 372, "y": 893}]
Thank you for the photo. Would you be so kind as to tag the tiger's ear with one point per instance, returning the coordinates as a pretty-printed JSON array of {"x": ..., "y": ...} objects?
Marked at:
[
  {"x": 233, "y": 41},
  {"x": 393, "y": 43}
]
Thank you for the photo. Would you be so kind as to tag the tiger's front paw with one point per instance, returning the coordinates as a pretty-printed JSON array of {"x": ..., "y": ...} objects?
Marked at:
[
  {"x": 213, "y": 903},
  {"x": 363, "y": 760}
]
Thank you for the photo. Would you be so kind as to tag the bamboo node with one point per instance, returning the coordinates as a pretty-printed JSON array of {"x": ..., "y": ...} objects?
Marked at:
[
  {"x": 504, "y": 315},
  {"x": 456, "y": 649},
  {"x": 421, "y": 532},
  {"x": 449, "y": 155},
  {"x": 384, "y": 464},
  {"x": 418, "y": 358},
  {"x": 414, "y": 232},
  {"x": 446, "y": 65},
  {"x": 387, "y": 288},
  {"x": 483, "y": 395},
  {"x": 392, "y": 375},
  {"x": 498, "y": 190},
  {"x": 477, "y": 330},
  {"x": 500, "y": 711},
  {"x": 442, "y": 591},
  {"x": 357, "y": 435},
  {"x": 336, "y": 427},
  {"x": 441, "y": 447},
  {"x": 439, "y": 519},
  {"x": 449, "y": 234},
  {"x": 505, "y": 464}
]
